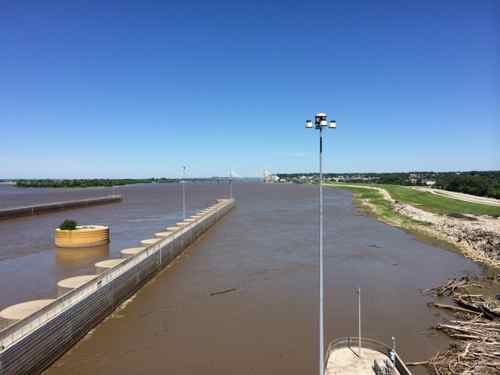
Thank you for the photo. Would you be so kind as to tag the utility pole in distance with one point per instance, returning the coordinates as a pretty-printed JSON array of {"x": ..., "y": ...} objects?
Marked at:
[
  {"x": 183, "y": 182},
  {"x": 230, "y": 184}
]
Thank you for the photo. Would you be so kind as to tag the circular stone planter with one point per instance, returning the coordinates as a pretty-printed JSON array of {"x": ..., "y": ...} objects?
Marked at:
[
  {"x": 163, "y": 234},
  {"x": 107, "y": 264},
  {"x": 150, "y": 241},
  {"x": 82, "y": 236},
  {"x": 70, "y": 283},
  {"x": 130, "y": 252},
  {"x": 23, "y": 310}
]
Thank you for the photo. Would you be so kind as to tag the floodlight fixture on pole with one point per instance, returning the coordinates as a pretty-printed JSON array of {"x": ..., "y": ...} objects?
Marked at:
[{"x": 320, "y": 122}]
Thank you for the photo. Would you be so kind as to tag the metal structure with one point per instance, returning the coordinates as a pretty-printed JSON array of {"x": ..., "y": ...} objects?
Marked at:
[
  {"x": 368, "y": 343},
  {"x": 359, "y": 322},
  {"x": 230, "y": 184},
  {"x": 183, "y": 182},
  {"x": 320, "y": 122}
]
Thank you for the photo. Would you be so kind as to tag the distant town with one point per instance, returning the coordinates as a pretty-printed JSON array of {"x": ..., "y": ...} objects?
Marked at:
[{"x": 481, "y": 183}]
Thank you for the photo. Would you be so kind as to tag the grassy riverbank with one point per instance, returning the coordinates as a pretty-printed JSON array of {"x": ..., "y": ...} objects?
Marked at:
[
  {"x": 424, "y": 200},
  {"x": 434, "y": 216},
  {"x": 374, "y": 202},
  {"x": 439, "y": 204}
]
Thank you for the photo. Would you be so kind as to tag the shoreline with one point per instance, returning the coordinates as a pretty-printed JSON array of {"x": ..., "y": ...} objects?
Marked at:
[{"x": 475, "y": 237}]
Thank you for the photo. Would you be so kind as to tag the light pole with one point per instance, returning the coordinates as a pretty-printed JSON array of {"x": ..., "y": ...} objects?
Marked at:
[
  {"x": 320, "y": 122},
  {"x": 183, "y": 182},
  {"x": 230, "y": 184},
  {"x": 359, "y": 322}
]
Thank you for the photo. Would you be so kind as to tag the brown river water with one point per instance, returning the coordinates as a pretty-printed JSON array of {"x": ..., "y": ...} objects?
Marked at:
[{"x": 266, "y": 249}]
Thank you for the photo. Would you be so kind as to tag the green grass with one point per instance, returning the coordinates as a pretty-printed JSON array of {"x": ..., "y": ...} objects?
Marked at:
[
  {"x": 425, "y": 200},
  {"x": 381, "y": 207},
  {"x": 438, "y": 204}
]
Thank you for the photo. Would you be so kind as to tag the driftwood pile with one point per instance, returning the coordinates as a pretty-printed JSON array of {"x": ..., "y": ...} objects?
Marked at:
[
  {"x": 476, "y": 351},
  {"x": 476, "y": 332},
  {"x": 452, "y": 286}
]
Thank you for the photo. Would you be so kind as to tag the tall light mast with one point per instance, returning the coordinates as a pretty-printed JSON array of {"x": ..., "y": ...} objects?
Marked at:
[
  {"x": 183, "y": 182},
  {"x": 320, "y": 122}
]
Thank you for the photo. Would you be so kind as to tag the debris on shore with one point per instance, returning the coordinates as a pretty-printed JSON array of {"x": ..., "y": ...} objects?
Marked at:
[
  {"x": 478, "y": 237},
  {"x": 475, "y": 330},
  {"x": 451, "y": 286},
  {"x": 475, "y": 351}
]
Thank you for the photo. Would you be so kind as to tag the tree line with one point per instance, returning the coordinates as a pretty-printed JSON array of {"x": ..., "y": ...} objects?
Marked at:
[
  {"x": 93, "y": 182},
  {"x": 105, "y": 182},
  {"x": 485, "y": 184},
  {"x": 481, "y": 183}
]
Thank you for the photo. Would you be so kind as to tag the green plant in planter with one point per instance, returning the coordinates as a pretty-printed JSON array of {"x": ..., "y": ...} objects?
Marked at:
[{"x": 68, "y": 225}]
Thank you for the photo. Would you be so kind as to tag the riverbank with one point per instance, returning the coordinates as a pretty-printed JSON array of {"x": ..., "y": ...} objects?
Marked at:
[
  {"x": 472, "y": 321},
  {"x": 471, "y": 228}
]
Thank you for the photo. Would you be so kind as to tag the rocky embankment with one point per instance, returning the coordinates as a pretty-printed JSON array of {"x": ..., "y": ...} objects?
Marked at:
[{"x": 477, "y": 236}]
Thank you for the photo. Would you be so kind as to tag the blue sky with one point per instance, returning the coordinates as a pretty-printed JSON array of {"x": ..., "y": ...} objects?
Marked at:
[{"x": 139, "y": 88}]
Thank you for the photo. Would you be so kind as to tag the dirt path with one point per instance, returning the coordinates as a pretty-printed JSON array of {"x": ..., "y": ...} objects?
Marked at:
[{"x": 384, "y": 192}]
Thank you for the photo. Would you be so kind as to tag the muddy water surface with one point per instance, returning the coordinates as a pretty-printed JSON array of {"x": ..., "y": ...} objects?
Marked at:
[{"x": 266, "y": 249}]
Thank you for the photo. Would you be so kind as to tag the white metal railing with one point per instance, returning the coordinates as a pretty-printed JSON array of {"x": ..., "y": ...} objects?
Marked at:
[{"x": 20, "y": 329}]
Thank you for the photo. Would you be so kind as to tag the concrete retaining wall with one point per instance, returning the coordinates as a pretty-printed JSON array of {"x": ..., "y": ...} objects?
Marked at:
[
  {"x": 8, "y": 213},
  {"x": 32, "y": 344}
]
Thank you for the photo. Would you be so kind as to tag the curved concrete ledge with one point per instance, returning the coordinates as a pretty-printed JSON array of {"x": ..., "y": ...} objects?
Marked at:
[
  {"x": 24, "y": 309},
  {"x": 163, "y": 234},
  {"x": 150, "y": 241},
  {"x": 70, "y": 283},
  {"x": 107, "y": 264},
  {"x": 82, "y": 236},
  {"x": 130, "y": 252}
]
